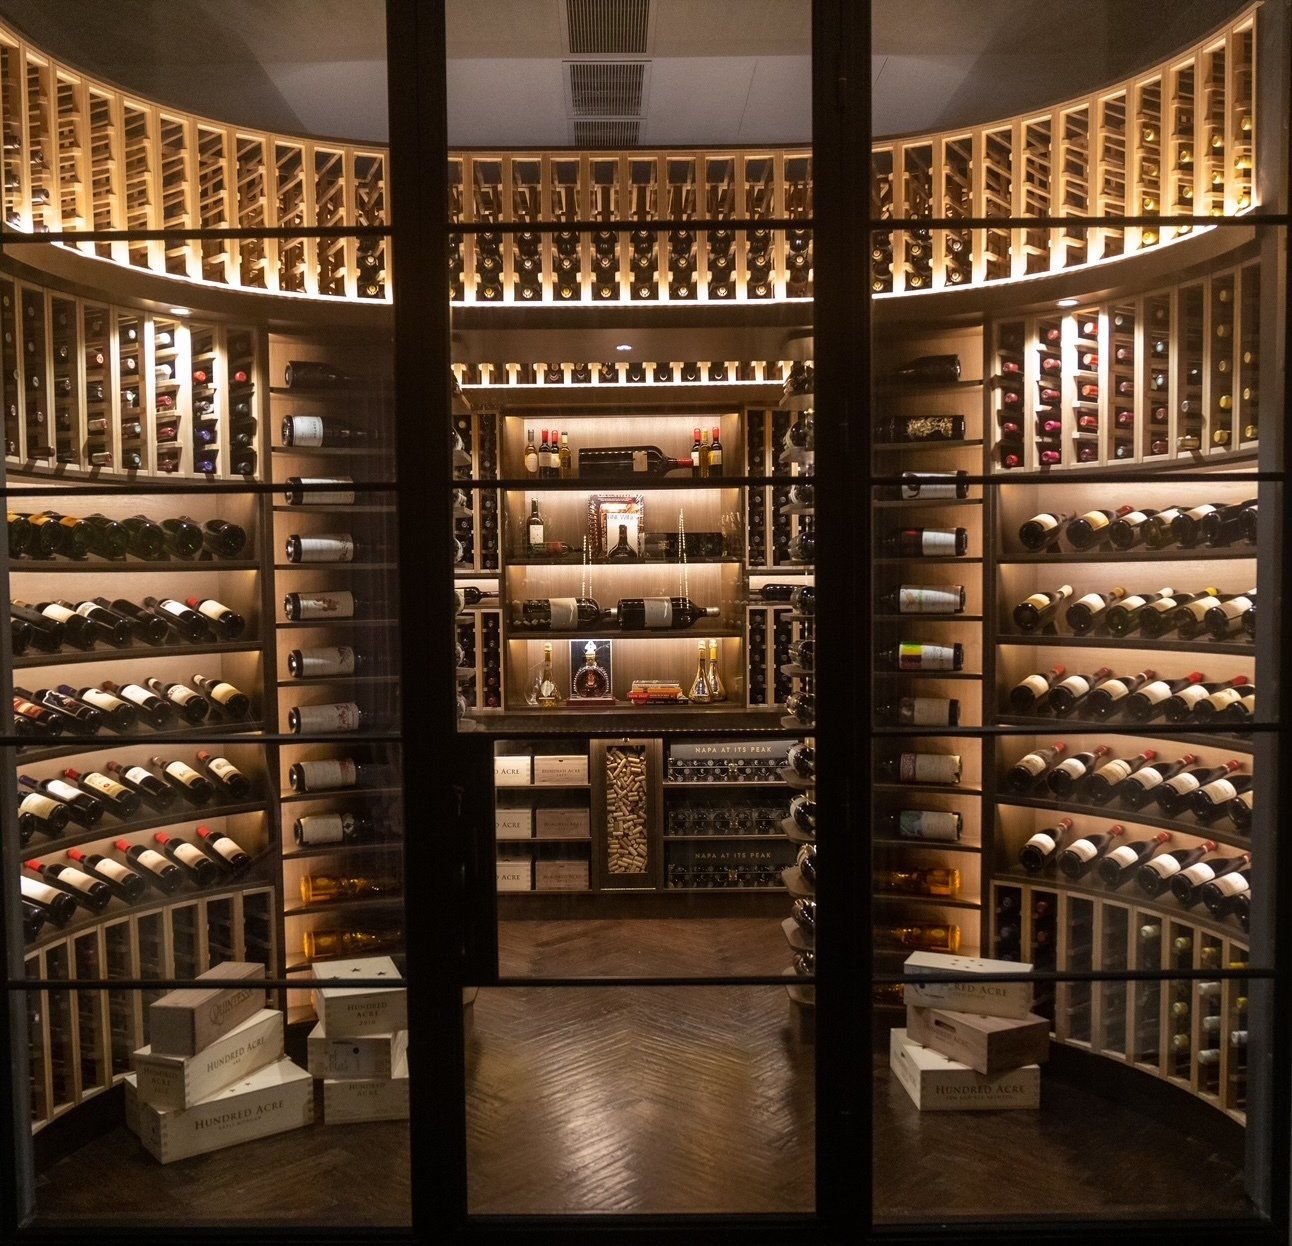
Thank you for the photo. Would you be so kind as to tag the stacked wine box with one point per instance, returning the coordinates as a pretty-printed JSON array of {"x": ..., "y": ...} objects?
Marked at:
[
  {"x": 359, "y": 1048},
  {"x": 972, "y": 1044},
  {"x": 214, "y": 1074}
]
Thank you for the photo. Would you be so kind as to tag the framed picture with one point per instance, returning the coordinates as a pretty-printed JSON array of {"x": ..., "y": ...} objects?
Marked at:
[{"x": 607, "y": 512}]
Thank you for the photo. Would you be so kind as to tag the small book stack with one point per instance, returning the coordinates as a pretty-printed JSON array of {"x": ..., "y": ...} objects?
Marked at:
[
  {"x": 359, "y": 1048},
  {"x": 214, "y": 1074},
  {"x": 969, "y": 1045}
]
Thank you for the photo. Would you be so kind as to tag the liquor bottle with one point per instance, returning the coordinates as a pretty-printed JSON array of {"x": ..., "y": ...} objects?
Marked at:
[
  {"x": 234, "y": 703},
  {"x": 310, "y": 374},
  {"x": 193, "y": 863},
  {"x": 919, "y": 712},
  {"x": 224, "y": 776},
  {"x": 1226, "y": 618},
  {"x": 1154, "y": 876},
  {"x": 1089, "y": 611},
  {"x": 1086, "y": 531},
  {"x": 149, "y": 626},
  {"x": 925, "y": 543},
  {"x": 1220, "y": 896},
  {"x": 929, "y": 370},
  {"x": 312, "y": 431},
  {"x": 717, "y": 689},
  {"x": 125, "y": 884},
  {"x": 1039, "y": 608},
  {"x": 1213, "y": 800},
  {"x": 192, "y": 706},
  {"x": 319, "y": 491},
  {"x": 1202, "y": 700},
  {"x": 58, "y": 906},
  {"x": 1187, "y": 884},
  {"x": 123, "y": 802},
  {"x": 699, "y": 689},
  {"x": 334, "y": 773},
  {"x": 1123, "y": 617},
  {"x": 920, "y": 428},
  {"x": 331, "y": 828},
  {"x": 1130, "y": 529},
  {"x": 1105, "y": 781},
  {"x": 713, "y": 465},
  {"x": 185, "y": 780},
  {"x": 932, "y": 485},
  {"x": 1032, "y": 692},
  {"x": 1067, "y": 776},
  {"x": 564, "y": 460},
  {"x": 86, "y": 890},
  {"x": 83, "y": 809},
  {"x": 659, "y": 613},
  {"x": 936, "y": 769},
  {"x": 191, "y": 626},
  {"x": 1042, "y": 531},
  {"x": 921, "y": 656},
  {"x": 224, "y": 539},
  {"x": 923, "y": 599},
  {"x": 543, "y": 691},
  {"x": 38, "y": 812},
  {"x": 1177, "y": 793},
  {"x": 621, "y": 551},
  {"x": 226, "y": 623},
  {"x": 1072, "y": 690},
  {"x": 556, "y": 614},
  {"x": 1080, "y": 856},
  {"x": 224, "y": 850},
  {"x": 143, "y": 783},
  {"x": 1024, "y": 773},
  {"x": 322, "y": 604},
  {"x": 1120, "y": 864},
  {"x": 628, "y": 461}
]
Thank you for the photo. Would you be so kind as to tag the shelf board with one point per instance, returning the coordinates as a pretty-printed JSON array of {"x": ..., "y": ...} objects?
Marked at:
[
  {"x": 94, "y": 744},
  {"x": 919, "y": 789},
  {"x": 613, "y": 633},
  {"x": 719, "y": 839},
  {"x": 630, "y": 720},
  {"x": 1201, "y": 647},
  {"x": 317, "y": 681},
  {"x": 95, "y": 566},
  {"x": 328, "y": 452},
  {"x": 893, "y": 385},
  {"x": 1222, "y": 831},
  {"x": 1225, "y": 553},
  {"x": 65, "y": 658},
  {"x": 575, "y": 560},
  {"x": 544, "y": 787},
  {"x": 356, "y": 508},
  {"x": 1152, "y": 730},
  {"x": 699, "y": 785},
  {"x": 344, "y": 906},
  {"x": 892, "y": 560},
  {"x": 328, "y": 850},
  {"x": 335, "y": 566},
  {"x": 920, "y": 504},
  {"x": 337, "y": 793},
  {"x": 547, "y": 839},
  {"x": 917, "y": 447},
  {"x": 928, "y": 674},
  {"x": 721, "y": 891},
  {"x": 939, "y": 901},
  {"x": 304, "y": 625},
  {"x": 919, "y": 618},
  {"x": 927, "y": 845}
]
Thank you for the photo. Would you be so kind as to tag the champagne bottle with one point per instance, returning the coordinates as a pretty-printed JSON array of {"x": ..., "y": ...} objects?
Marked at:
[
  {"x": 320, "y": 944},
  {"x": 1154, "y": 876},
  {"x": 929, "y": 881},
  {"x": 1024, "y": 773},
  {"x": 1042, "y": 848}
]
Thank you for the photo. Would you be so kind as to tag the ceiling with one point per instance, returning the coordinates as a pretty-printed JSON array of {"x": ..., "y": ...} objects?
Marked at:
[{"x": 692, "y": 72}]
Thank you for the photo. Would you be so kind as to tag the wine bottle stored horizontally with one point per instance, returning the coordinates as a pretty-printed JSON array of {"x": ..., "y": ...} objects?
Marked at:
[
  {"x": 936, "y": 769},
  {"x": 659, "y": 613},
  {"x": 1178, "y": 792},
  {"x": 190, "y": 785},
  {"x": 332, "y": 828},
  {"x": 919, "y": 712},
  {"x": 316, "y": 431},
  {"x": 1107, "y": 778},
  {"x": 555, "y": 614},
  {"x": 628, "y": 461},
  {"x": 920, "y": 428},
  {"x": 1072, "y": 691},
  {"x": 926, "y": 824},
  {"x": 1023, "y": 775},
  {"x": 1067, "y": 777},
  {"x": 925, "y": 543},
  {"x": 922, "y": 656},
  {"x": 124, "y": 883},
  {"x": 1038, "y": 609},
  {"x": 1154, "y": 876},
  {"x": 193, "y": 863},
  {"x": 224, "y": 850},
  {"x": 1187, "y": 884},
  {"x": 923, "y": 599},
  {"x": 1081, "y": 855},
  {"x": 1118, "y": 865},
  {"x": 85, "y": 889},
  {"x": 1042, "y": 847},
  {"x": 1140, "y": 787},
  {"x": 1032, "y": 692}
]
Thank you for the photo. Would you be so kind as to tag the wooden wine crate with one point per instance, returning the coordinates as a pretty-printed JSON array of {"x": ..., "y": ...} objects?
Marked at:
[
  {"x": 177, "y": 1082},
  {"x": 182, "y": 1023},
  {"x": 939, "y": 1084},
  {"x": 350, "y": 1011},
  {"x": 349, "y": 1100},
  {"x": 562, "y": 823},
  {"x": 989, "y": 1045},
  {"x": 354, "y": 1055},
  {"x": 990, "y": 999},
  {"x": 514, "y": 823}
]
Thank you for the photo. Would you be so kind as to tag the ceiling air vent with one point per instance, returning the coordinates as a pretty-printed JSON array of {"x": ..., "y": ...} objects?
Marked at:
[
  {"x": 607, "y": 133},
  {"x": 606, "y": 88},
  {"x": 607, "y": 27}
]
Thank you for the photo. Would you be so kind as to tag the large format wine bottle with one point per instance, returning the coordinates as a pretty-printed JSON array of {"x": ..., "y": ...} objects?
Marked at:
[
  {"x": 309, "y": 431},
  {"x": 555, "y": 614},
  {"x": 659, "y": 613},
  {"x": 628, "y": 461}
]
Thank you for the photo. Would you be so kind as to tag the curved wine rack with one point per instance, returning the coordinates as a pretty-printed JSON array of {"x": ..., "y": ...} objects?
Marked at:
[{"x": 1175, "y": 139}]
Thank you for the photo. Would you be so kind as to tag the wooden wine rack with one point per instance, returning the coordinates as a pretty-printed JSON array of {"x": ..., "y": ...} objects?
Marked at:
[{"x": 80, "y": 154}]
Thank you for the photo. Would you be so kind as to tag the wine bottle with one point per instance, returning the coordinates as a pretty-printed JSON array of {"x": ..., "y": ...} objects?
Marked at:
[
  {"x": 920, "y": 428},
  {"x": 147, "y": 625},
  {"x": 924, "y": 599},
  {"x": 350, "y": 943},
  {"x": 81, "y": 719},
  {"x": 628, "y": 461},
  {"x": 145, "y": 539},
  {"x": 123, "y": 802},
  {"x": 927, "y": 881},
  {"x": 1187, "y": 884},
  {"x": 1042, "y": 847},
  {"x": 322, "y": 604},
  {"x": 937, "y": 769},
  {"x": 1042, "y": 531},
  {"x": 926, "y": 824},
  {"x": 58, "y": 906},
  {"x": 46, "y": 632},
  {"x": 1154, "y": 876},
  {"x": 38, "y": 812},
  {"x": 327, "y": 547},
  {"x": 87, "y": 891},
  {"x": 224, "y": 776},
  {"x": 920, "y": 712},
  {"x": 1089, "y": 611},
  {"x": 125, "y": 884},
  {"x": 235, "y": 703},
  {"x": 1123, "y": 617},
  {"x": 154, "y": 868},
  {"x": 1072, "y": 690},
  {"x": 1211, "y": 801},
  {"x": 193, "y": 863},
  {"x": 1067, "y": 777},
  {"x": 185, "y": 780},
  {"x": 1161, "y": 616},
  {"x": 190, "y": 625},
  {"x": 713, "y": 459},
  {"x": 1226, "y": 618},
  {"x": 108, "y": 538},
  {"x": 921, "y": 656},
  {"x": 1130, "y": 529},
  {"x": 1186, "y": 527},
  {"x": 1242, "y": 711},
  {"x": 158, "y": 714},
  {"x": 227, "y": 624},
  {"x": 146, "y": 785},
  {"x": 33, "y": 921},
  {"x": 1228, "y": 524},
  {"x": 224, "y": 850},
  {"x": 33, "y": 719},
  {"x": 315, "y": 431},
  {"x": 85, "y": 810},
  {"x": 659, "y": 613},
  {"x": 1177, "y": 793},
  {"x": 224, "y": 539},
  {"x": 319, "y": 491},
  {"x": 1215, "y": 699},
  {"x": 556, "y": 614},
  {"x": 334, "y": 717},
  {"x": 933, "y": 485},
  {"x": 191, "y": 706},
  {"x": 926, "y": 543},
  {"x": 1220, "y": 895},
  {"x": 311, "y": 374},
  {"x": 1081, "y": 856},
  {"x": 1024, "y": 773},
  {"x": 1032, "y": 692},
  {"x": 331, "y": 828},
  {"x": 183, "y": 537},
  {"x": 1039, "y": 608},
  {"x": 1120, "y": 864},
  {"x": 929, "y": 370},
  {"x": 1085, "y": 532}
]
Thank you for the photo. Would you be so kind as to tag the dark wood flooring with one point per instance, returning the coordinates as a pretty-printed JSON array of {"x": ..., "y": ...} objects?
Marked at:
[{"x": 668, "y": 1099}]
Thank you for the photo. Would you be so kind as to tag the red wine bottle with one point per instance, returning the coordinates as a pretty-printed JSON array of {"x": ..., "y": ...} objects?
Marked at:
[
  {"x": 1211, "y": 800},
  {"x": 146, "y": 785},
  {"x": 120, "y": 799},
  {"x": 194, "y": 864},
  {"x": 1202, "y": 701},
  {"x": 1043, "y": 846},
  {"x": 87, "y": 891},
  {"x": 1072, "y": 690},
  {"x": 1067, "y": 777},
  {"x": 1138, "y": 789},
  {"x": 1124, "y": 617},
  {"x": 1032, "y": 692},
  {"x": 1177, "y": 793},
  {"x": 1118, "y": 865},
  {"x": 1039, "y": 608},
  {"x": 1110, "y": 698},
  {"x": 153, "y": 868},
  {"x": 1151, "y": 700},
  {"x": 1187, "y": 885},
  {"x": 1220, "y": 895},
  {"x": 1028, "y": 769},
  {"x": 1080, "y": 856},
  {"x": 1106, "y": 780},
  {"x": 1154, "y": 876},
  {"x": 1085, "y": 532},
  {"x": 224, "y": 850},
  {"x": 1089, "y": 611}
]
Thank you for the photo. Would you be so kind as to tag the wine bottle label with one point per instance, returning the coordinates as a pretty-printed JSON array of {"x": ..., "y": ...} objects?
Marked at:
[
  {"x": 338, "y": 716},
  {"x": 1200, "y": 607},
  {"x": 330, "y": 548},
  {"x": 1124, "y": 856},
  {"x": 935, "y": 541},
  {"x": 325, "y": 828},
  {"x": 921, "y": 657},
  {"x": 1219, "y": 791},
  {"x": 23, "y": 706},
  {"x": 223, "y": 768},
  {"x": 101, "y": 783},
  {"x": 928, "y": 824},
  {"x": 306, "y": 430},
  {"x": 325, "y": 497},
  {"x": 564, "y": 612},
  {"x": 41, "y": 892},
  {"x": 213, "y": 610},
  {"x": 183, "y": 772},
  {"x": 1092, "y": 601},
  {"x": 138, "y": 775},
  {"x": 38, "y": 805},
  {"x": 222, "y": 692},
  {"x": 1036, "y": 684},
  {"x": 1233, "y": 608},
  {"x": 1132, "y": 604},
  {"x": 929, "y": 487},
  {"x": 926, "y": 599},
  {"x": 1078, "y": 685},
  {"x": 103, "y": 700},
  {"x": 930, "y": 711},
  {"x": 1157, "y": 691},
  {"x": 191, "y": 856},
  {"x": 1114, "y": 772},
  {"x": 113, "y": 870},
  {"x": 60, "y": 614},
  {"x": 641, "y": 463},
  {"x": 715, "y": 456},
  {"x": 659, "y": 612},
  {"x": 1083, "y": 850},
  {"x": 338, "y": 605},
  {"x": 1231, "y": 884},
  {"x": 1037, "y": 601},
  {"x": 1096, "y": 520},
  {"x": 1043, "y": 842},
  {"x": 76, "y": 878},
  {"x": 328, "y": 773},
  {"x": 1165, "y": 866},
  {"x": 140, "y": 696},
  {"x": 1191, "y": 694},
  {"x": 153, "y": 860},
  {"x": 333, "y": 660},
  {"x": 1134, "y": 518},
  {"x": 1033, "y": 763},
  {"x": 63, "y": 791},
  {"x": 1184, "y": 783},
  {"x": 1246, "y": 798},
  {"x": 1074, "y": 767},
  {"x": 1198, "y": 512},
  {"x": 1047, "y": 523},
  {"x": 182, "y": 695},
  {"x": 929, "y": 768}
]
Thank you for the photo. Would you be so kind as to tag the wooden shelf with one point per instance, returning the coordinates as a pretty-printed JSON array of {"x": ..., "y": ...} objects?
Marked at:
[
  {"x": 77, "y": 656},
  {"x": 337, "y": 793},
  {"x": 131, "y": 566},
  {"x": 97, "y": 744},
  {"x": 344, "y": 906},
  {"x": 1224, "y": 553},
  {"x": 697, "y": 632},
  {"x": 1153, "y": 730},
  {"x": 1222, "y": 831},
  {"x": 1202, "y": 646},
  {"x": 328, "y": 850},
  {"x": 924, "y": 845}
]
